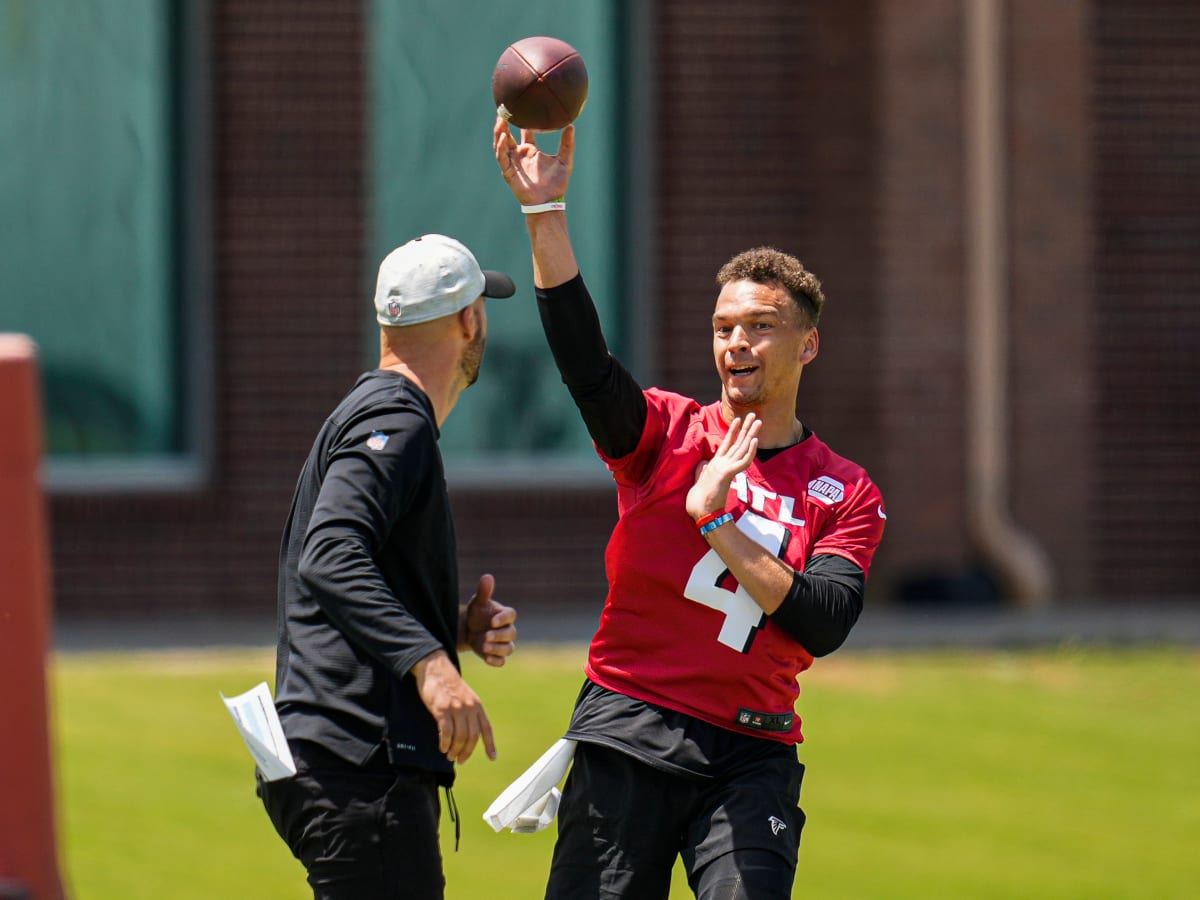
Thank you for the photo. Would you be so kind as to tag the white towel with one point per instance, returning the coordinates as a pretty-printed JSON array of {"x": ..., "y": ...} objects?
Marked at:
[{"x": 530, "y": 803}]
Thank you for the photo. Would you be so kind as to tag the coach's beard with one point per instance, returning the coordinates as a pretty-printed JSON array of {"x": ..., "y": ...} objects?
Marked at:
[{"x": 472, "y": 359}]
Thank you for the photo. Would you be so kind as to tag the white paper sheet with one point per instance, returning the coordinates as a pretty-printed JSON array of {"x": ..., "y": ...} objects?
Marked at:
[{"x": 258, "y": 723}]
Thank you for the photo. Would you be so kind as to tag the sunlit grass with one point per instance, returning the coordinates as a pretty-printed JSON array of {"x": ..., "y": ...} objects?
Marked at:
[{"x": 1066, "y": 773}]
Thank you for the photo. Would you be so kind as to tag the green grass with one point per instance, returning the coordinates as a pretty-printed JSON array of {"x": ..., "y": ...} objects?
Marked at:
[{"x": 1066, "y": 773}]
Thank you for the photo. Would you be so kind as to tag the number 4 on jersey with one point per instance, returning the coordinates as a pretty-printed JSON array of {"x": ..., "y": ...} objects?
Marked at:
[{"x": 743, "y": 617}]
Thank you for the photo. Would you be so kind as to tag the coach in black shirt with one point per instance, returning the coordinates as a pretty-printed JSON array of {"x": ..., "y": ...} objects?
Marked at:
[{"x": 367, "y": 680}]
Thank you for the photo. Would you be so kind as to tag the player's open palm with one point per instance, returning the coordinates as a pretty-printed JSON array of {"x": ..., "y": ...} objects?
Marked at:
[
  {"x": 533, "y": 175},
  {"x": 714, "y": 477}
]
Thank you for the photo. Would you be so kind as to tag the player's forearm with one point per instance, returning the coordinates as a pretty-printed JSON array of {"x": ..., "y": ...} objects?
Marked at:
[
  {"x": 553, "y": 256},
  {"x": 609, "y": 398},
  {"x": 818, "y": 608},
  {"x": 765, "y": 577}
]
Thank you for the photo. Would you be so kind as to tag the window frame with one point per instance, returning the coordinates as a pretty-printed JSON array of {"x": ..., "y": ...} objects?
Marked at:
[
  {"x": 189, "y": 130},
  {"x": 636, "y": 268}
]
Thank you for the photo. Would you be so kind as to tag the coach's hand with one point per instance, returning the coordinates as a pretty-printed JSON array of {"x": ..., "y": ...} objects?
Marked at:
[
  {"x": 457, "y": 709},
  {"x": 487, "y": 626}
]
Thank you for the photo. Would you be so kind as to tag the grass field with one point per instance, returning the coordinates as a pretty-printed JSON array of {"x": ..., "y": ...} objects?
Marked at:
[{"x": 1068, "y": 773}]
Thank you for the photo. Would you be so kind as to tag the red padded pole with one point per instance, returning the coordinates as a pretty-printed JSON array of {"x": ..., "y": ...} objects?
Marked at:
[{"x": 28, "y": 852}]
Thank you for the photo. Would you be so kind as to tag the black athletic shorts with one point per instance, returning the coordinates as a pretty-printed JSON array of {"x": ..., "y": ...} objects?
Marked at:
[
  {"x": 622, "y": 823},
  {"x": 362, "y": 833}
]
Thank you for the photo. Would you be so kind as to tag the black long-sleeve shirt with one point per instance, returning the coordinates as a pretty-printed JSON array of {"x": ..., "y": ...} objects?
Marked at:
[{"x": 368, "y": 579}]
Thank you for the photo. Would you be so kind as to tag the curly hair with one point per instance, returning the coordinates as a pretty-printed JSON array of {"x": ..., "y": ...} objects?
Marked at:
[{"x": 766, "y": 265}]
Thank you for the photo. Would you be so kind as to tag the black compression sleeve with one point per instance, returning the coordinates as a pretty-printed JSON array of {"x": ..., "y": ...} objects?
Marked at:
[
  {"x": 824, "y": 603},
  {"x": 609, "y": 399}
]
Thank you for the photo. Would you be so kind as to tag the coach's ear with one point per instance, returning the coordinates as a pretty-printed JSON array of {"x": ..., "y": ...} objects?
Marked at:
[{"x": 469, "y": 321}]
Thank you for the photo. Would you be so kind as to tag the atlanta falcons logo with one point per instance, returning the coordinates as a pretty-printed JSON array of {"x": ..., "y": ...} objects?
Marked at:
[{"x": 777, "y": 825}]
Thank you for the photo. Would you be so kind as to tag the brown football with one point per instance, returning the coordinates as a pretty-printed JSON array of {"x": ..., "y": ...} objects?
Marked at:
[{"x": 540, "y": 83}]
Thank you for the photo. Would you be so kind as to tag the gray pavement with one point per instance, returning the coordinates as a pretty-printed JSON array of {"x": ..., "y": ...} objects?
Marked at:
[
  {"x": 1108, "y": 624},
  {"x": 1144, "y": 623}
]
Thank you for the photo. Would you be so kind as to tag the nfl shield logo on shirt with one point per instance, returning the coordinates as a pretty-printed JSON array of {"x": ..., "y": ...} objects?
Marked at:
[{"x": 377, "y": 441}]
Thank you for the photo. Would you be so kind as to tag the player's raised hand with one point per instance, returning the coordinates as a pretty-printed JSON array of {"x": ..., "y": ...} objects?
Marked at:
[
  {"x": 487, "y": 626},
  {"x": 714, "y": 477},
  {"x": 533, "y": 175}
]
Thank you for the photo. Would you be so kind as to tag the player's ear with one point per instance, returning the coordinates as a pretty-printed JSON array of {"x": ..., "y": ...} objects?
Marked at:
[{"x": 812, "y": 343}]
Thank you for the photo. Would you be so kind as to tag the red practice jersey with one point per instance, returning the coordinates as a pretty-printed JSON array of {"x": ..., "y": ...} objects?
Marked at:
[{"x": 677, "y": 630}]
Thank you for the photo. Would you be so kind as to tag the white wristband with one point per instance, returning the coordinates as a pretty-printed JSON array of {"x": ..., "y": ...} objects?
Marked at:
[{"x": 559, "y": 204}]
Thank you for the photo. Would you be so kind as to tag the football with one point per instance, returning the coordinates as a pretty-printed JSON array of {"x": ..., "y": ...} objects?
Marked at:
[{"x": 540, "y": 83}]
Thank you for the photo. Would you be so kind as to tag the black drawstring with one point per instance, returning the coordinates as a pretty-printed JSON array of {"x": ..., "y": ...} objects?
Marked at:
[{"x": 453, "y": 807}]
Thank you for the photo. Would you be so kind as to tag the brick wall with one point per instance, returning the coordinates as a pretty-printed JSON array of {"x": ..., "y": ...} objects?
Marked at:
[
  {"x": 921, "y": 368},
  {"x": 1146, "y": 330},
  {"x": 832, "y": 130},
  {"x": 1052, "y": 374}
]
